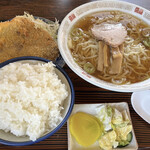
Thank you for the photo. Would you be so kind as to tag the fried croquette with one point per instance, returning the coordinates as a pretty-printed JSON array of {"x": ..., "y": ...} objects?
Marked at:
[{"x": 21, "y": 37}]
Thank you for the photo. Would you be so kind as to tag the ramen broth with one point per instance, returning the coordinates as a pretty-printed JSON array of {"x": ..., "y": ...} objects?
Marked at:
[{"x": 136, "y": 52}]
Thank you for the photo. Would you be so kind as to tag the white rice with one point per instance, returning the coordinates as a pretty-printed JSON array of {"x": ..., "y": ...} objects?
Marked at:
[{"x": 31, "y": 98}]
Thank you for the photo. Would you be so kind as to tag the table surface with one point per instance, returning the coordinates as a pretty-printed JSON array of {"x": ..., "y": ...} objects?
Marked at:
[{"x": 84, "y": 91}]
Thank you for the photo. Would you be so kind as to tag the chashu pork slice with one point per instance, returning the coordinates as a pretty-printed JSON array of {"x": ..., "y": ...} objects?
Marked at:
[{"x": 113, "y": 34}]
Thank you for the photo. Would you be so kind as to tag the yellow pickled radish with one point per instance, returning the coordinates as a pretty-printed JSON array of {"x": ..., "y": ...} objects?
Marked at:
[{"x": 85, "y": 128}]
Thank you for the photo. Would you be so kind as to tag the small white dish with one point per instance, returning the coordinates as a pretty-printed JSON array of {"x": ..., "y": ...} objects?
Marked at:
[
  {"x": 141, "y": 104},
  {"x": 91, "y": 109}
]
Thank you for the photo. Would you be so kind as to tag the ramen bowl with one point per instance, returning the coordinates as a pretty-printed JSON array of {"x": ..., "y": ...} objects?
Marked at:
[
  {"x": 93, "y": 7},
  {"x": 8, "y": 138}
]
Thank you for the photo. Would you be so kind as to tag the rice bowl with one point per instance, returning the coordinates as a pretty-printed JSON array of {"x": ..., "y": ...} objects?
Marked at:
[{"x": 58, "y": 117}]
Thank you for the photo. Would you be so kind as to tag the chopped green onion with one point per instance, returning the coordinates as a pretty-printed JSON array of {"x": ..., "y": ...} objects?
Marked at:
[
  {"x": 146, "y": 42},
  {"x": 146, "y": 32},
  {"x": 89, "y": 68}
]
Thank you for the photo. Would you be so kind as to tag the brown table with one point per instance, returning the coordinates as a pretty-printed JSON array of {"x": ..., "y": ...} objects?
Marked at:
[{"x": 84, "y": 91}]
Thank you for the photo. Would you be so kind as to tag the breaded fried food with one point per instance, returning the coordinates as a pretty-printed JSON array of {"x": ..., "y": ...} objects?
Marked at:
[{"x": 26, "y": 36}]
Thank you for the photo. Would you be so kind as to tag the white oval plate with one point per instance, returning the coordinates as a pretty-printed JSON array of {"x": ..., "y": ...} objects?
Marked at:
[{"x": 141, "y": 104}]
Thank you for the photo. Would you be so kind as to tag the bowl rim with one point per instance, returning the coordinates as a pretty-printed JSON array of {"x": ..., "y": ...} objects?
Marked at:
[
  {"x": 80, "y": 72},
  {"x": 72, "y": 101}
]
